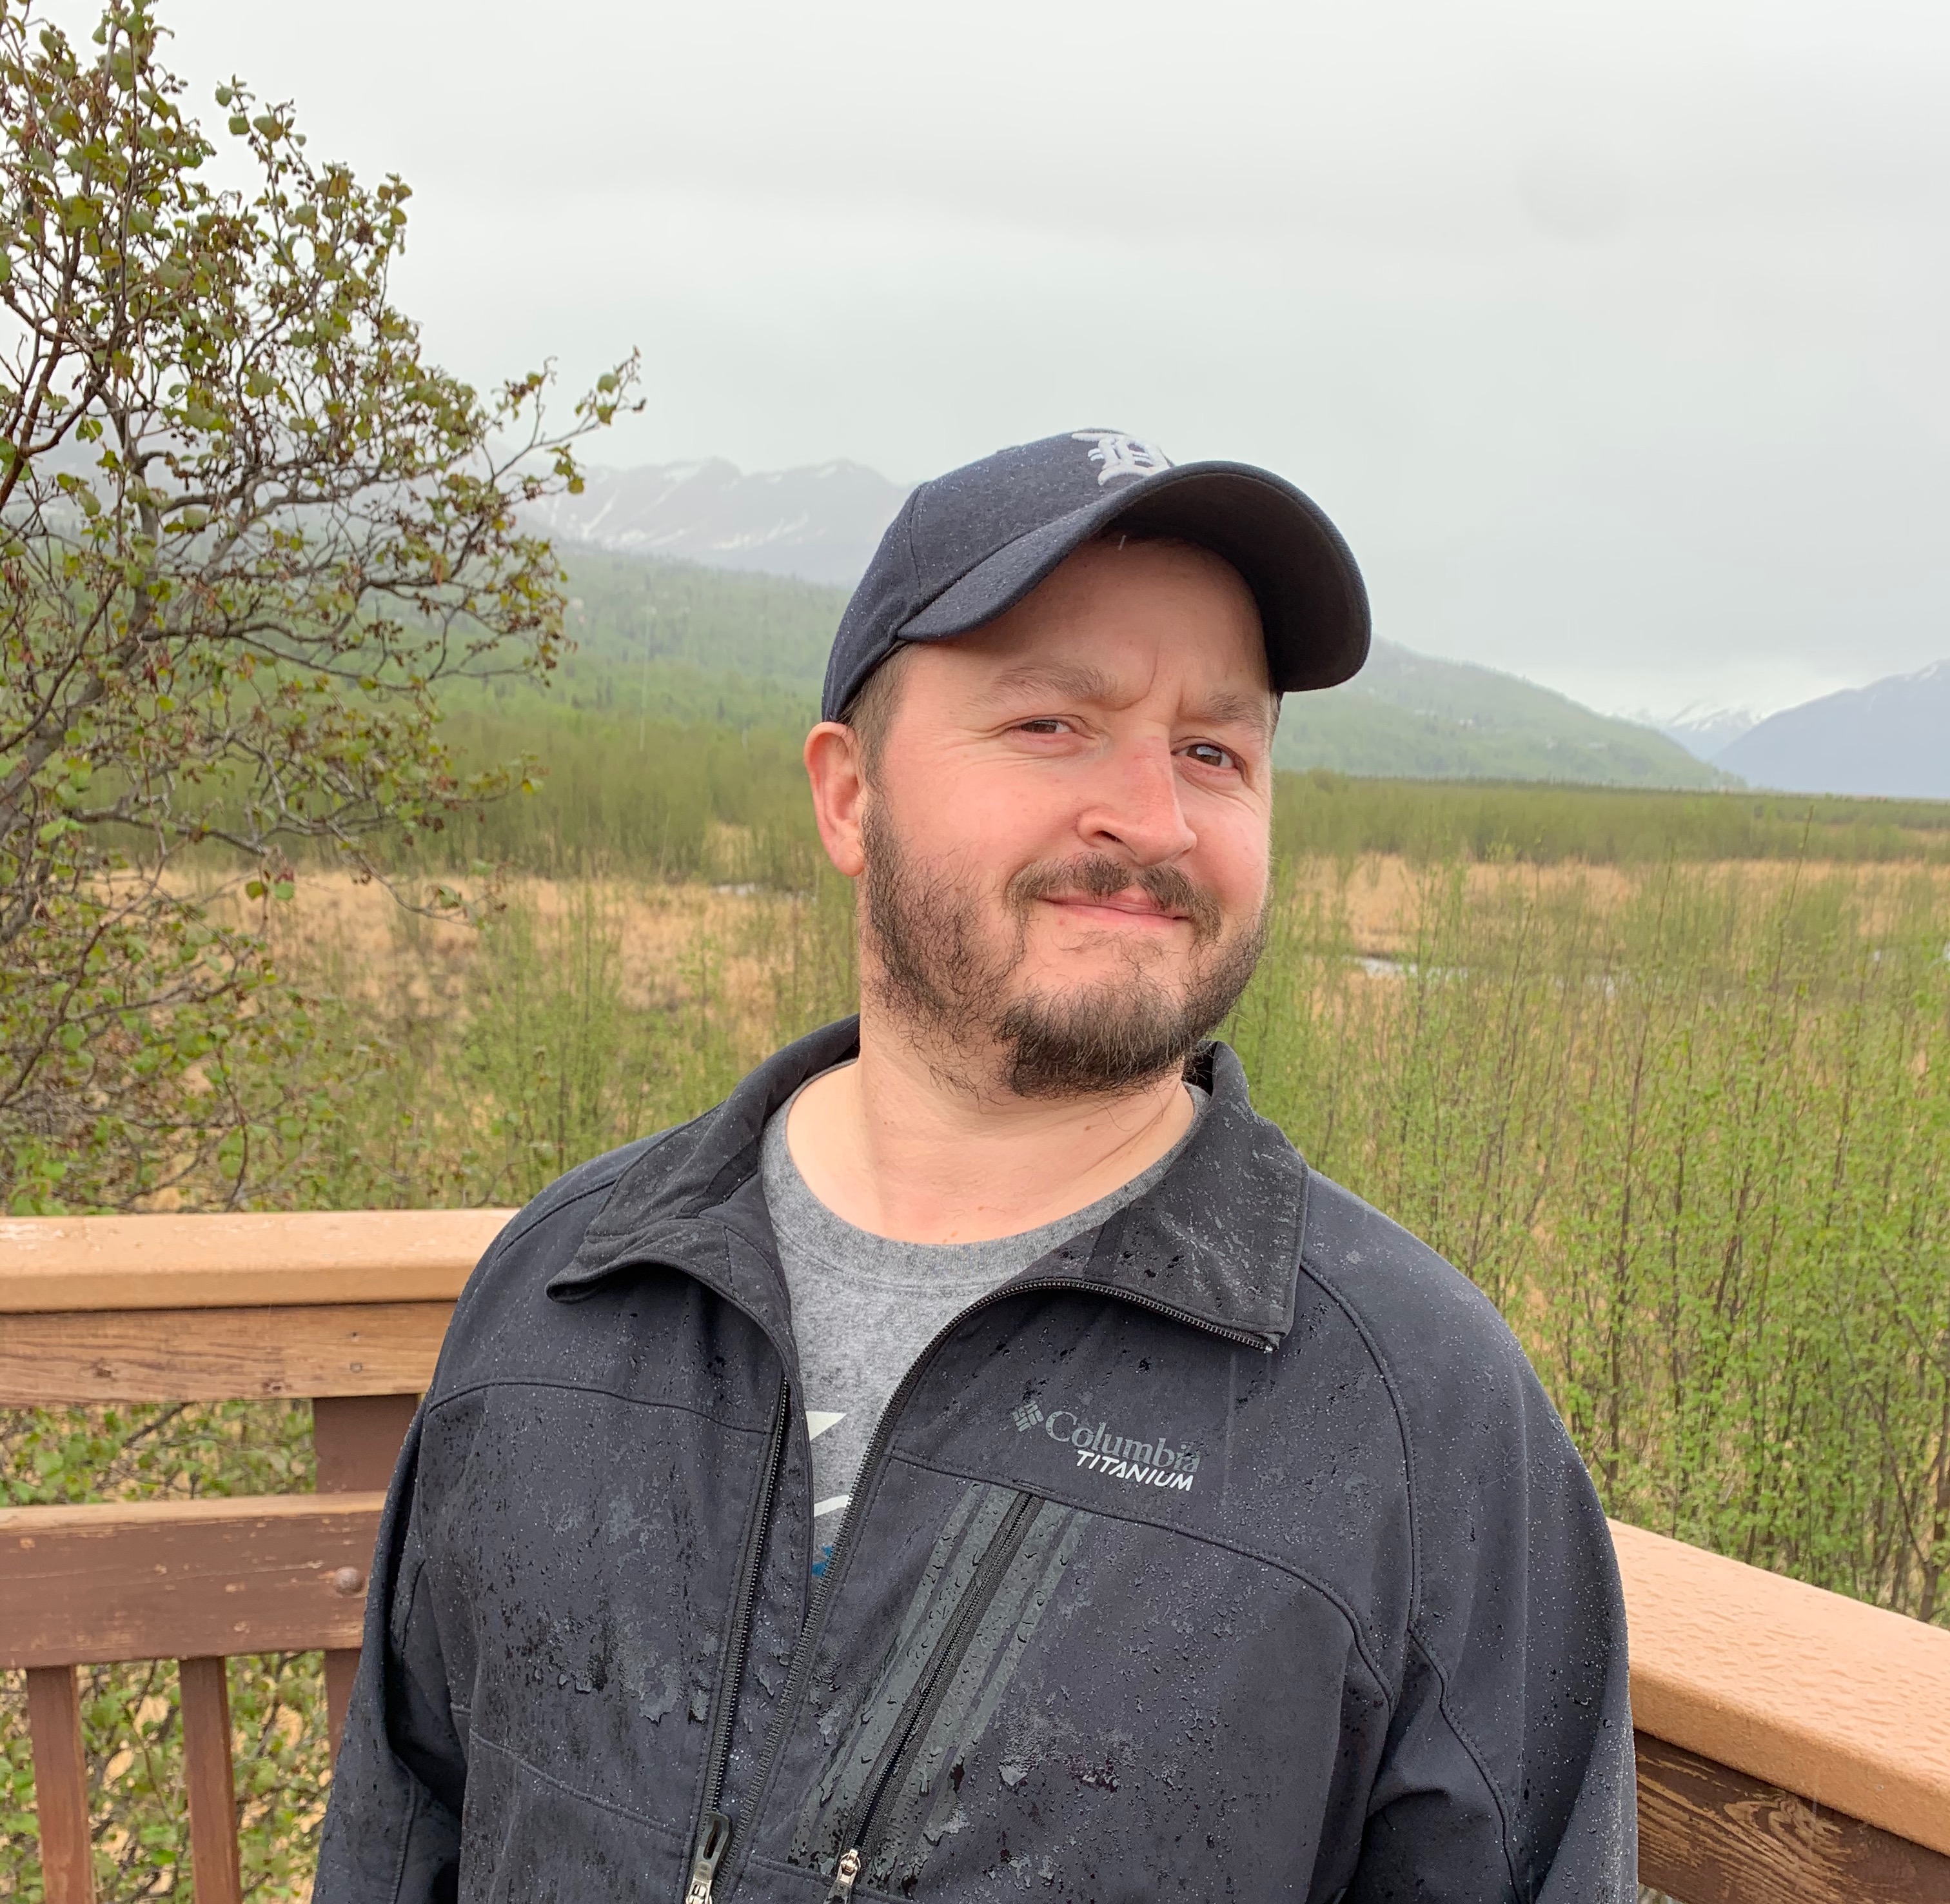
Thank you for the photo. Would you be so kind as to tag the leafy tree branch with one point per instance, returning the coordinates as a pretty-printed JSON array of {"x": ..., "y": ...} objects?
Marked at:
[{"x": 247, "y": 532}]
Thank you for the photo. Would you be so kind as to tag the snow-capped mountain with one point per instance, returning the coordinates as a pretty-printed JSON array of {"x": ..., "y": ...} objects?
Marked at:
[
  {"x": 821, "y": 523},
  {"x": 1892, "y": 738},
  {"x": 1705, "y": 731}
]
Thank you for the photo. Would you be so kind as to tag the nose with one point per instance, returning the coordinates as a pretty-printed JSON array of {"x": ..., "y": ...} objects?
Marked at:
[{"x": 1134, "y": 808}]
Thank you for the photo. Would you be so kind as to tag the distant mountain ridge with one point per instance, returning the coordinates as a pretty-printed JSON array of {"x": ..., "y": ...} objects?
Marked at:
[
  {"x": 1416, "y": 716},
  {"x": 1891, "y": 738},
  {"x": 1405, "y": 715},
  {"x": 820, "y": 523}
]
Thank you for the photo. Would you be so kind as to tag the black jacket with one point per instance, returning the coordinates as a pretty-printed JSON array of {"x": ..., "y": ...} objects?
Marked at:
[{"x": 1231, "y": 1550}]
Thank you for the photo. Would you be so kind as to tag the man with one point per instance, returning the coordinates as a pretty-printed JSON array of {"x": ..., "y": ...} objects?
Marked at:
[{"x": 979, "y": 1458}]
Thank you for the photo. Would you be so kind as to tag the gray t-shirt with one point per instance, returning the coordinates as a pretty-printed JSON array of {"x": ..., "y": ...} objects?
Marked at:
[{"x": 865, "y": 1306}]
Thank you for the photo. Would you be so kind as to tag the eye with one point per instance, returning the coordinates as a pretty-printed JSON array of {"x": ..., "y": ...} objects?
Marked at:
[
  {"x": 1043, "y": 723},
  {"x": 1209, "y": 753}
]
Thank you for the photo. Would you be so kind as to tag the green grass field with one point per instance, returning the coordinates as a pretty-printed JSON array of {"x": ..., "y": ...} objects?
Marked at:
[{"x": 645, "y": 792}]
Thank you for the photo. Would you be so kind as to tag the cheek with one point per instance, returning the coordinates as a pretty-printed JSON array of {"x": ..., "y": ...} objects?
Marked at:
[
  {"x": 1235, "y": 850},
  {"x": 968, "y": 813},
  {"x": 1235, "y": 859}
]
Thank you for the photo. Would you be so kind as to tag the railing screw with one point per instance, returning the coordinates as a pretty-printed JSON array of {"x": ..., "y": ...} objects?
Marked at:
[{"x": 347, "y": 1580}]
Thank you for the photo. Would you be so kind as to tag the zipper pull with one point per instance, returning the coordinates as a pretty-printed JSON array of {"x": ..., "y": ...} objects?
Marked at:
[
  {"x": 844, "y": 1872},
  {"x": 714, "y": 1839}
]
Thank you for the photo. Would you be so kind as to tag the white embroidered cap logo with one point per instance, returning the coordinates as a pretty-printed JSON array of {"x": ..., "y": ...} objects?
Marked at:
[{"x": 1121, "y": 455}]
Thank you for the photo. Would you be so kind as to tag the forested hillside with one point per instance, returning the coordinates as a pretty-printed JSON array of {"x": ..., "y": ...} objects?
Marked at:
[{"x": 683, "y": 642}]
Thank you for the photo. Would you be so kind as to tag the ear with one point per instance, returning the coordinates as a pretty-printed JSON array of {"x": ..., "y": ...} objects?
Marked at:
[{"x": 834, "y": 766}]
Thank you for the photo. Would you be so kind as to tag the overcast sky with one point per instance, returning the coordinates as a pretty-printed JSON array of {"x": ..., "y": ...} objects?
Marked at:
[{"x": 1616, "y": 338}]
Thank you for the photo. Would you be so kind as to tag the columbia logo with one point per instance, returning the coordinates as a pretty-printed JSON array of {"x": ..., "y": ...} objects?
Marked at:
[{"x": 1151, "y": 1462}]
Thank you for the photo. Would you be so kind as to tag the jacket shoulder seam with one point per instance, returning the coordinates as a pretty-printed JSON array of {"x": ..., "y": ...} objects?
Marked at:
[
  {"x": 1359, "y": 1326},
  {"x": 486, "y": 1382},
  {"x": 518, "y": 1228},
  {"x": 521, "y": 1224},
  {"x": 1474, "y": 1753}
]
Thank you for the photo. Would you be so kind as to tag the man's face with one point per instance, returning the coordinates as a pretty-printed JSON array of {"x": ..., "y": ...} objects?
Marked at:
[{"x": 1066, "y": 835}]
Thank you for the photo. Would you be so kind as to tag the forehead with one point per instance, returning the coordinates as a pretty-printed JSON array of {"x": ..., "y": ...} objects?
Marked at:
[{"x": 1125, "y": 606}]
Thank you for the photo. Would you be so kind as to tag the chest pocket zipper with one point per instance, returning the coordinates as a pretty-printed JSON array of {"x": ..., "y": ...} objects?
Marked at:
[{"x": 859, "y": 1833}]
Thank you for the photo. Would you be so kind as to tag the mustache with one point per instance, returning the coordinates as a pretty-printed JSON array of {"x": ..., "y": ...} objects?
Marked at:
[{"x": 1097, "y": 876}]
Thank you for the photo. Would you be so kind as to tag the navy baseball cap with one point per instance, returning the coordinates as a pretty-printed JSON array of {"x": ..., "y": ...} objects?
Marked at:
[{"x": 972, "y": 543}]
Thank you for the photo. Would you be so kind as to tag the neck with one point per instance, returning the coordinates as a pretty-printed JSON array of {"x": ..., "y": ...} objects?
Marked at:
[{"x": 896, "y": 1145}]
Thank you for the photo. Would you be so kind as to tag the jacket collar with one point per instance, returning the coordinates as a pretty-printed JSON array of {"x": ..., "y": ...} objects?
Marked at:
[{"x": 1217, "y": 1241}]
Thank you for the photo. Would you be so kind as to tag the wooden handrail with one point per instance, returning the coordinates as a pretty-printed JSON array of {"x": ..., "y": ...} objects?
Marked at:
[
  {"x": 1793, "y": 1744},
  {"x": 240, "y": 1262},
  {"x": 1844, "y": 1703}
]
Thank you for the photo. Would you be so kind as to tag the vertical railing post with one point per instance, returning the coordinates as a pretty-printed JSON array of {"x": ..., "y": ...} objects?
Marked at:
[
  {"x": 212, "y": 1782},
  {"x": 60, "y": 1785},
  {"x": 356, "y": 1440}
]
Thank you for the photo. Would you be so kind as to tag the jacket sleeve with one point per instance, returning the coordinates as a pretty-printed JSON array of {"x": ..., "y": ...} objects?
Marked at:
[
  {"x": 392, "y": 1831},
  {"x": 392, "y": 1825},
  {"x": 1509, "y": 1771}
]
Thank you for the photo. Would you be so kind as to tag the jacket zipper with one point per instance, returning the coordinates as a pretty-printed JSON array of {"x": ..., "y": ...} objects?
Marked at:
[
  {"x": 715, "y": 1829},
  {"x": 876, "y": 1446},
  {"x": 858, "y": 1837}
]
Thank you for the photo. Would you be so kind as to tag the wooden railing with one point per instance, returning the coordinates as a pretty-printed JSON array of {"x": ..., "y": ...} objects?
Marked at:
[
  {"x": 1793, "y": 1746},
  {"x": 348, "y": 1310}
]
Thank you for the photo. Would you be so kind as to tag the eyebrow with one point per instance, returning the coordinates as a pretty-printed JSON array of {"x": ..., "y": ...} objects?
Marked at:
[
  {"x": 1245, "y": 710},
  {"x": 1078, "y": 680},
  {"x": 1075, "y": 681}
]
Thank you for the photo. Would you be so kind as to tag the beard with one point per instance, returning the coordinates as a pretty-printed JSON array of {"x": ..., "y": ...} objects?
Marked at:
[{"x": 940, "y": 973}]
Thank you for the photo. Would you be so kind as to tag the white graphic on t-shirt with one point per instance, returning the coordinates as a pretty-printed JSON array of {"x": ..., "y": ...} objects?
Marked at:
[
  {"x": 818, "y": 1421},
  {"x": 1121, "y": 455}
]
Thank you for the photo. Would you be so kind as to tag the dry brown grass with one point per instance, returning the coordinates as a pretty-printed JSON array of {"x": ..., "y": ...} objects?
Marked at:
[
  {"x": 674, "y": 943},
  {"x": 1383, "y": 892},
  {"x": 383, "y": 946}
]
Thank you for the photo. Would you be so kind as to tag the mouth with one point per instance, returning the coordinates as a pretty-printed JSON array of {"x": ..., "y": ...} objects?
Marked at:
[{"x": 1116, "y": 911}]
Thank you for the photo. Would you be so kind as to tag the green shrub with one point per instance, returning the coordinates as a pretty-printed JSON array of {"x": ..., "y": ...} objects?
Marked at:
[{"x": 1697, "y": 1148}]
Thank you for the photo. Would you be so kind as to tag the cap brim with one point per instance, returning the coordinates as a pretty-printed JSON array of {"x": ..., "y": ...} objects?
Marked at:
[{"x": 1312, "y": 604}]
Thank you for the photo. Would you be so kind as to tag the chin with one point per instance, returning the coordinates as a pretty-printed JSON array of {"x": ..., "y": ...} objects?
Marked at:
[
  {"x": 1110, "y": 947},
  {"x": 1106, "y": 969}
]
